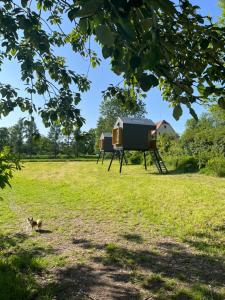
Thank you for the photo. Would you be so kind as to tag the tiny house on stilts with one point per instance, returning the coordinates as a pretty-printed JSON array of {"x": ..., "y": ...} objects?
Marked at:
[
  {"x": 105, "y": 145},
  {"x": 136, "y": 135}
]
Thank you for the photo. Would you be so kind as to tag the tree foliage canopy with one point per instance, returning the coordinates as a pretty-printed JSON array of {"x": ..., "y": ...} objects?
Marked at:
[
  {"x": 8, "y": 163},
  {"x": 150, "y": 43}
]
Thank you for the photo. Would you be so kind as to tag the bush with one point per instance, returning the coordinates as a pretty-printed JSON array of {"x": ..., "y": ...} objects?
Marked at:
[
  {"x": 135, "y": 158},
  {"x": 8, "y": 164},
  {"x": 215, "y": 166},
  {"x": 183, "y": 164}
]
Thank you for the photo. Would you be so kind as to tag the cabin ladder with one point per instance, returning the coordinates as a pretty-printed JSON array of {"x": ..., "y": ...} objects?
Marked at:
[{"x": 156, "y": 158}]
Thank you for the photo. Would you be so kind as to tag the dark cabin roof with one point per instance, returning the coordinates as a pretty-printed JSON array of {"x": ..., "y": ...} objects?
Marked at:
[{"x": 126, "y": 120}]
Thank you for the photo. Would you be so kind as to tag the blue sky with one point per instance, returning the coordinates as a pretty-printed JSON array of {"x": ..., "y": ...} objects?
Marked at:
[{"x": 101, "y": 77}]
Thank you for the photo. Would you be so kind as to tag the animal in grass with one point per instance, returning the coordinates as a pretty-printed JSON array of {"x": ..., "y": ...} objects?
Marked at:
[{"x": 34, "y": 223}]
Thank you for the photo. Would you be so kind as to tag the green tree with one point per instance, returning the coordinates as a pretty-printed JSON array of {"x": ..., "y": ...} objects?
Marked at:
[
  {"x": 8, "y": 163},
  {"x": 169, "y": 145},
  {"x": 4, "y": 137},
  {"x": 17, "y": 138},
  {"x": 54, "y": 138},
  {"x": 90, "y": 141},
  {"x": 32, "y": 136},
  {"x": 44, "y": 146},
  {"x": 204, "y": 139},
  {"x": 112, "y": 107},
  {"x": 84, "y": 143}
]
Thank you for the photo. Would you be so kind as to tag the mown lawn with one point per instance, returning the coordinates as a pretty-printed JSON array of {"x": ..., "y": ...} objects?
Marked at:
[{"x": 138, "y": 235}]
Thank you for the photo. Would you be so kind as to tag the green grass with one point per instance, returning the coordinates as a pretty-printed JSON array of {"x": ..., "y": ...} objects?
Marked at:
[{"x": 158, "y": 236}]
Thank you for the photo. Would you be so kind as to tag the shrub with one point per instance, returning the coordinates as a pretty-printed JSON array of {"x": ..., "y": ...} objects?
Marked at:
[
  {"x": 183, "y": 164},
  {"x": 135, "y": 158},
  {"x": 215, "y": 166},
  {"x": 8, "y": 163}
]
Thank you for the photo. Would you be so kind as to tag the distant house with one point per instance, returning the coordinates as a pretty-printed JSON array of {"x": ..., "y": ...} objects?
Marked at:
[{"x": 163, "y": 127}]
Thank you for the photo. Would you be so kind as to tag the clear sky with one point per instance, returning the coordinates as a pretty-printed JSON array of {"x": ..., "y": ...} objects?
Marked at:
[{"x": 101, "y": 77}]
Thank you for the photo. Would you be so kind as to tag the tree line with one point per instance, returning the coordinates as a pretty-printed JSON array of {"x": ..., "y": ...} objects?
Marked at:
[{"x": 25, "y": 141}]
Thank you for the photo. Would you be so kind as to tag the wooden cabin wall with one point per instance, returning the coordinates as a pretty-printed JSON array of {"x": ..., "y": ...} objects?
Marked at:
[
  {"x": 108, "y": 147},
  {"x": 135, "y": 137}
]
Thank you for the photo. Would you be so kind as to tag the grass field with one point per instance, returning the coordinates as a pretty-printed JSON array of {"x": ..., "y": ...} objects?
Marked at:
[{"x": 138, "y": 235}]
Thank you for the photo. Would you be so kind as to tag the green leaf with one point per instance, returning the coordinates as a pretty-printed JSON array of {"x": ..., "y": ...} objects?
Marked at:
[
  {"x": 83, "y": 25},
  {"x": 209, "y": 90},
  {"x": 89, "y": 9},
  {"x": 154, "y": 80},
  {"x": 204, "y": 44},
  {"x": 144, "y": 82},
  {"x": 193, "y": 113},
  {"x": 24, "y": 3},
  {"x": 221, "y": 102},
  {"x": 147, "y": 23},
  {"x": 104, "y": 35},
  {"x": 200, "y": 19},
  {"x": 39, "y": 5},
  {"x": 200, "y": 88},
  {"x": 127, "y": 29},
  {"x": 135, "y": 61},
  {"x": 151, "y": 58},
  {"x": 167, "y": 6},
  {"x": 72, "y": 14},
  {"x": 147, "y": 81},
  {"x": 177, "y": 112},
  {"x": 107, "y": 52}
]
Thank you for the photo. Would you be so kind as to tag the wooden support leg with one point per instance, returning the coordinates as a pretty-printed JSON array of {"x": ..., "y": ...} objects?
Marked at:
[
  {"x": 145, "y": 160},
  {"x": 121, "y": 161},
  {"x": 119, "y": 155},
  {"x": 125, "y": 159},
  {"x": 98, "y": 157},
  {"x": 113, "y": 154},
  {"x": 103, "y": 157}
]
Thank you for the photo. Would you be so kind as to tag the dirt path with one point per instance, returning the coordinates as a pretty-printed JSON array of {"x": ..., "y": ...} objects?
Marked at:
[{"x": 103, "y": 262}]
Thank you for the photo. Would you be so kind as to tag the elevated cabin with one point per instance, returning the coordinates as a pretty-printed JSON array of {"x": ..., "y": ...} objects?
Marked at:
[
  {"x": 136, "y": 135},
  {"x": 133, "y": 134},
  {"x": 105, "y": 142}
]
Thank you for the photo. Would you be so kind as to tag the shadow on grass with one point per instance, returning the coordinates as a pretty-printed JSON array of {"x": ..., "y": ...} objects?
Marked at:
[
  {"x": 43, "y": 231},
  {"x": 220, "y": 228},
  {"x": 113, "y": 272},
  {"x": 160, "y": 273},
  {"x": 207, "y": 242},
  {"x": 177, "y": 172},
  {"x": 82, "y": 281},
  {"x": 136, "y": 238},
  {"x": 19, "y": 267}
]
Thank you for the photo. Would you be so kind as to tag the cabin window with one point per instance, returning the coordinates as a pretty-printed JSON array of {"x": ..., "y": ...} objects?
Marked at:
[
  {"x": 164, "y": 126},
  {"x": 117, "y": 136}
]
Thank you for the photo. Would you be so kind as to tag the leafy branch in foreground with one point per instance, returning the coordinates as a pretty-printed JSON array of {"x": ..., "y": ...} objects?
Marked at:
[
  {"x": 31, "y": 40},
  {"x": 149, "y": 43},
  {"x": 8, "y": 164},
  {"x": 153, "y": 43}
]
